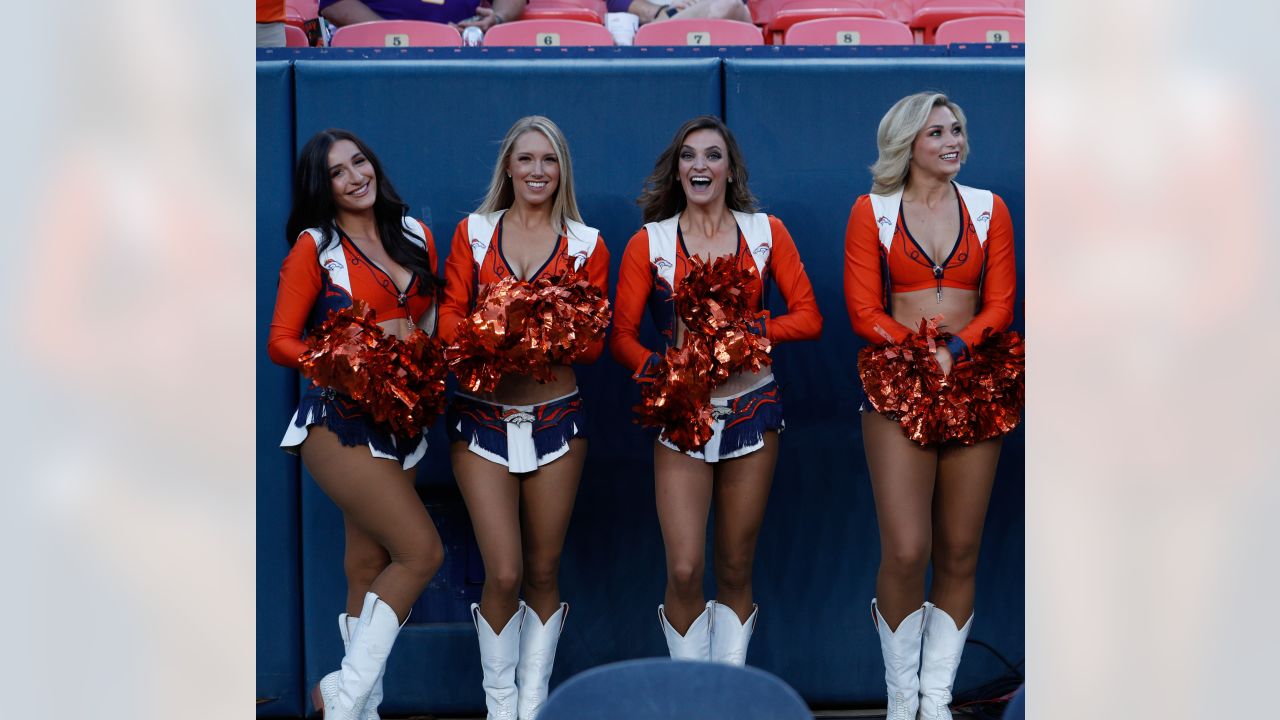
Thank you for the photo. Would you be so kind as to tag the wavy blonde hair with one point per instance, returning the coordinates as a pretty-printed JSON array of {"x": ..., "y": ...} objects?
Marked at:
[
  {"x": 897, "y": 133},
  {"x": 502, "y": 193}
]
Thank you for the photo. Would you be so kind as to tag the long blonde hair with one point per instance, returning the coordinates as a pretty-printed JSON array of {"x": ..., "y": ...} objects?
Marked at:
[
  {"x": 502, "y": 194},
  {"x": 897, "y": 133}
]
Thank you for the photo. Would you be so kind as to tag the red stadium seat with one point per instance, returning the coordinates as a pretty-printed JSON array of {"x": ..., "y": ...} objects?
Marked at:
[
  {"x": 988, "y": 29},
  {"x": 849, "y": 31},
  {"x": 547, "y": 33},
  {"x": 305, "y": 9},
  {"x": 396, "y": 33},
  {"x": 294, "y": 37},
  {"x": 930, "y": 14},
  {"x": 900, "y": 10},
  {"x": 699, "y": 31},
  {"x": 584, "y": 10},
  {"x": 791, "y": 12}
]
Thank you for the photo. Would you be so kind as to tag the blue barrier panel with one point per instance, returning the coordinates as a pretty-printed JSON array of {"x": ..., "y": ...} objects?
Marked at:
[
  {"x": 437, "y": 126},
  {"x": 279, "y": 606},
  {"x": 808, "y": 129}
]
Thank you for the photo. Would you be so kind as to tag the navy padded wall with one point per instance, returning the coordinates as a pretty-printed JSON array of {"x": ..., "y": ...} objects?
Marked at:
[
  {"x": 808, "y": 131},
  {"x": 279, "y": 606},
  {"x": 437, "y": 126}
]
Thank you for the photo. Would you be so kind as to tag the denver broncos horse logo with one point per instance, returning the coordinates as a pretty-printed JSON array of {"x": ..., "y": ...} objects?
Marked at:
[{"x": 517, "y": 417}]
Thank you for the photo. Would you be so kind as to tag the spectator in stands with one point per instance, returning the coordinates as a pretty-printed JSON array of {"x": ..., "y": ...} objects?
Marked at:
[
  {"x": 271, "y": 23},
  {"x": 649, "y": 11},
  {"x": 352, "y": 240},
  {"x": 697, "y": 203},
  {"x": 463, "y": 13},
  {"x": 518, "y": 451},
  {"x": 956, "y": 262}
]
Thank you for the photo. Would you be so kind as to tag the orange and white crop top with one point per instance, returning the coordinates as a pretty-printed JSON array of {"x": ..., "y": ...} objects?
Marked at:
[
  {"x": 881, "y": 258},
  {"x": 314, "y": 281},
  {"x": 656, "y": 261},
  {"x": 476, "y": 260}
]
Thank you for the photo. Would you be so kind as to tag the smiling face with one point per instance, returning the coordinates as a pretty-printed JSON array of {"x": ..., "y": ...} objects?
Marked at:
[
  {"x": 703, "y": 165},
  {"x": 534, "y": 169},
  {"x": 939, "y": 145},
  {"x": 351, "y": 177}
]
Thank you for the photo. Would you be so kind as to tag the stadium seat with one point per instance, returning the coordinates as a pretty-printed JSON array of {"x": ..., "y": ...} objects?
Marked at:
[
  {"x": 294, "y": 37},
  {"x": 547, "y": 33},
  {"x": 396, "y": 33},
  {"x": 584, "y": 10},
  {"x": 659, "y": 689},
  {"x": 699, "y": 31},
  {"x": 791, "y": 12},
  {"x": 763, "y": 11},
  {"x": 304, "y": 9},
  {"x": 900, "y": 10},
  {"x": 929, "y": 14},
  {"x": 848, "y": 31},
  {"x": 986, "y": 29}
]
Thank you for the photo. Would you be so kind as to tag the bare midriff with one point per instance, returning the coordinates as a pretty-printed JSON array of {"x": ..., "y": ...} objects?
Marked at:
[
  {"x": 956, "y": 306},
  {"x": 524, "y": 390}
]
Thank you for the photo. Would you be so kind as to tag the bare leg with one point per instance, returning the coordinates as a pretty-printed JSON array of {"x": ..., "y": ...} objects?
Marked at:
[
  {"x": 363, "y": 560},
  {"x": 902, "y": 479},
  {"x": 727, "y": 9},
  {"x": 492, "y": 496},
  {"x": 683, "y": 489},
  {"x": 741, "y": 494},
  {"x": 378, "y": 497},
  {"x": 547, "y": 498},
  {"x": 965, "y": 477}
]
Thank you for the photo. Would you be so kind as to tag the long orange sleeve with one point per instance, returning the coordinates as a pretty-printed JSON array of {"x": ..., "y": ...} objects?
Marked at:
[
  {"x": 864, "y": 281},
  {"x": 1000, "y": 284},
  {"x": 802, "y": 321},
  {"x": 459, "y": 283},
  {"x": 635, "y": 284},
  {"x": 299, "y": 287}
]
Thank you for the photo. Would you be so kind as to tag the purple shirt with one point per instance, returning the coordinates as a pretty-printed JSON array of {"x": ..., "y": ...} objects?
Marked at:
[{"x": 443, "y": 12}]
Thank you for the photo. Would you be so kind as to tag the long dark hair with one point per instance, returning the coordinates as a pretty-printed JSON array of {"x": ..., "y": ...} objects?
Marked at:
[
  {"x": 663, "y": 194},
  {"x": 314, "y": 207}
]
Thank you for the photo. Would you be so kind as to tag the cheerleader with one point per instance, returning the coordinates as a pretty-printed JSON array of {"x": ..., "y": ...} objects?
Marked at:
[
  {"x": 518, "y": 451},
  {"x": 697, "y": 205},
  {"x": 352, "y": 241},
  {"x": 929, "y": 266}
]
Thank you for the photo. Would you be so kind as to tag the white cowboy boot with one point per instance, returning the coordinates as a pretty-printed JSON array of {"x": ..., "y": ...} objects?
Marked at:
[
  {"x": 537, "y": 654},
  {"x": 346, "y": 624},
  {"x": 499, "y": 653},
  {"x": 695, "y": 644},
  {"x": 730, "y": 636},
  {"x": 943, "y": 645},
  {"x": 901, "y": 651},
  {"x": 343, "y": 693}
]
